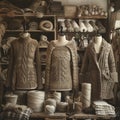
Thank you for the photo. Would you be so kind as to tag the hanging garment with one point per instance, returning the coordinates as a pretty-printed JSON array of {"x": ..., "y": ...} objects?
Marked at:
[
  {"x": 100, "y": 73},
  {"x": 62, "y": 68},
  {"x": 24, "y": 65}
]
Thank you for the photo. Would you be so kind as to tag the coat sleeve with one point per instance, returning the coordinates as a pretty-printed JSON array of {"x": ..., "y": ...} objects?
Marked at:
[
  {"x": 38, "y": 68},
  {"x": 84, "y": 67},
  {"x": 75, "y": 67},
  {"x": 112, "y": 67}
]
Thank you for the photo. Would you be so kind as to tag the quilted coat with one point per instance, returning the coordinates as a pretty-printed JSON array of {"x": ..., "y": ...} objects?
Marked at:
[
  {"x": 24, "y": 65},
  {"x": 63, "y": 81},
  {"x": 101, "y": 73}
]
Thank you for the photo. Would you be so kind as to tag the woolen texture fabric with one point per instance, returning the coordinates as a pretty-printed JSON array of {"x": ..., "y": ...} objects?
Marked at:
[
  {"x": 62, "y": 83},
  {"x": 100, "y": 73},
  {"x": 24, "y": 65}
]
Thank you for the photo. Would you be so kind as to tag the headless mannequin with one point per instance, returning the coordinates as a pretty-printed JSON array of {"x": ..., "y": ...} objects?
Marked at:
[
  {"x": 25, "y": 35},
  {"x": 97, "y": 43},
  {"x": 61, "y": 40}
]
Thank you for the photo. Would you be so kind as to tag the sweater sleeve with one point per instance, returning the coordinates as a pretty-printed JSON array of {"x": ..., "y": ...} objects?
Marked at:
[
  {"x": 9, "y": 83},
  {"x": 38, "y": 68}
]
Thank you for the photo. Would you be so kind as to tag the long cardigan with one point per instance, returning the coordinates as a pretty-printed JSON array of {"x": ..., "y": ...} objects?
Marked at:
[
  {"x": 24, "y": 71},
  {"x": 100, "y": 73},
  {"x": 74, "y": 66}
]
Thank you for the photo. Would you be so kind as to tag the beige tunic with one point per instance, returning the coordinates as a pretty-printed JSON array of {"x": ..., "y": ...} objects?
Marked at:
[{"x": 60, "y": 74}]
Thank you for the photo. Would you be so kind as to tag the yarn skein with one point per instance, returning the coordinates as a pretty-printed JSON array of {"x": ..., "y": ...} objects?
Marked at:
[
  {"x": 86, "y": 95},
  {"x": 35, "y": 100}
]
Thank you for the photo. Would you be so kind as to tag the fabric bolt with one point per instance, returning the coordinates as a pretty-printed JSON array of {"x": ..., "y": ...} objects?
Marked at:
[
  {"x": 24, "y": 64},
  {"x": 61, "y": 68},
  {"x": 99, "y": 72}
]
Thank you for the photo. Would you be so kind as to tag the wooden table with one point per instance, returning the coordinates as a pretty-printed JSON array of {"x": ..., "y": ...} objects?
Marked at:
[
  {"x": 55, "y": 116},
  {"x": 63, "y": 116},
  {"x": 91, "y": 116}
]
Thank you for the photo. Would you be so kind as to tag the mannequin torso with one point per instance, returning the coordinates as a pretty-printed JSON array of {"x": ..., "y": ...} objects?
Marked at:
[
  {"x": 97, "y": 43},
  {"x": 61, "y": 40}
]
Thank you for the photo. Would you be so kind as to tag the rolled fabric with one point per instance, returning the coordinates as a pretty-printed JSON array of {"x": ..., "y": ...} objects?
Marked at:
[
  {"x": 46, "y": 25},
  {"x": 86, "y": 95},
  {"x": 75, "y": 26},
  {"x": 88, "y": 26},
  {"x": 69, "y": 25},
  {"x": 50, "y": 109},
  {"x": 82, "y": 26},
  {"x": 35, "y": 100},
  {"x": 61, "y": 23},
  {"x": 50, "y": 101},
  {"x": 94, "y": 25}
]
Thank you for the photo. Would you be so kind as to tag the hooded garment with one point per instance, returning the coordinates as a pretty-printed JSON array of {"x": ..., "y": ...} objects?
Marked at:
[
  {"x": 24, "y": 65},
  {"x": 100, "y": 72},
  {"x": 62, "y": 67}
]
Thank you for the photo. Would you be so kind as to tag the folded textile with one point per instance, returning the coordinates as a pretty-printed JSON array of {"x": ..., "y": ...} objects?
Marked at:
[{"x": 103, "y": 108}]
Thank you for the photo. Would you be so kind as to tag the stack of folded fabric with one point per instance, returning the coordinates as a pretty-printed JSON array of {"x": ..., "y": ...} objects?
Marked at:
[{"x": 103, "y": 108}]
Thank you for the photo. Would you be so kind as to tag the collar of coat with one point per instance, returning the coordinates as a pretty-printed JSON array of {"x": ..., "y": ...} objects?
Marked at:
[{"x": 104, "y": 46}]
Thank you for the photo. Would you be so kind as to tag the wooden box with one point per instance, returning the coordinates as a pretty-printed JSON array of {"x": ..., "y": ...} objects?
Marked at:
[{"x": 70, "y": 10}]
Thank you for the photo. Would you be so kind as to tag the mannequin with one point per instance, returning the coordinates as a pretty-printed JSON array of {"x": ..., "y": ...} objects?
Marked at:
[
  {"x": 99, "y": 69},
  {"x": 61, "y": 68},
  {"x": 61, "y": 41},
  {"x": 24, "y": 64},
  {"x": 97, "y": 43}
]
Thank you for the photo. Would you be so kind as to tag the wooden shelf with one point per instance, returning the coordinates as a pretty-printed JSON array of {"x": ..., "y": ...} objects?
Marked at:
[
  {"x": 84, "y": 17},
  {"x": 44, "y": 115},
  {"x": 29, "y": 31},
  {"x": 45, "y": 47}
]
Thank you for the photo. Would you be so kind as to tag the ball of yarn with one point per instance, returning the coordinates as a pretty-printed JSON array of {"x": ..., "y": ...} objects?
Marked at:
[
  {"x": 50, "y": 101},
  {"x": 35, "y": 100},
  {"x": 49, "y": 109},
  {"x": 62, "y": 106}
]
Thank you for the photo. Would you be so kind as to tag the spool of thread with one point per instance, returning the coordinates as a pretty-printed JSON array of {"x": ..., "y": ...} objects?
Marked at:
[
  {"x": 11, "y": 98},
  {"x": 49, "y": 109},
  {"x": 86, "y": 95},
  {"x": 50, "y": 101},
  {"x": 35, "y": 100},
  {"x": 62, "y": 106}
]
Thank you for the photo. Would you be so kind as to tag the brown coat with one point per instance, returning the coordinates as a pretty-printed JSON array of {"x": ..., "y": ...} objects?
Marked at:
[
  {"x": 24, "y": 66},
  {"x": 66, "y": 83},
  {"x": 100, "y": 73}
]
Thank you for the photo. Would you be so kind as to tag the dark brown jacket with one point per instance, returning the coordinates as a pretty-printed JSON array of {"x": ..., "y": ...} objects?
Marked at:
[
  {"x": 74, "y": 67},
  {"x": 24, "y": 66},
  {"x": 100, "y": 73}
]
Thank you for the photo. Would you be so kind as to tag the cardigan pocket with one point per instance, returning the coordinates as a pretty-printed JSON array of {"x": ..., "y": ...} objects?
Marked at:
[
  {"x": 114, "y": 76},
  {"x": 106, "y": 75}
]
